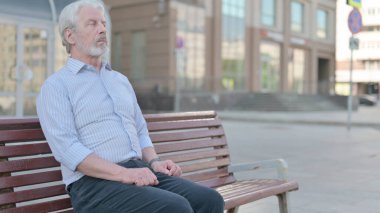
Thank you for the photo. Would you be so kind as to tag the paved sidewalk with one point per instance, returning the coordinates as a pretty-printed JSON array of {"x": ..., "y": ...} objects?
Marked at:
[
  {"x": 364, "y": 116},
  {"x": 337, "y": 170}
]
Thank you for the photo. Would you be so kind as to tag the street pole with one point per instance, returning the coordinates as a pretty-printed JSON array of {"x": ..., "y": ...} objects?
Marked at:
[
  {"x": 355, "y": 25},
  {"x": 349, "y": 100},
  {"x": 178, "y": 82},
  {"x": 180, "y": 70}
]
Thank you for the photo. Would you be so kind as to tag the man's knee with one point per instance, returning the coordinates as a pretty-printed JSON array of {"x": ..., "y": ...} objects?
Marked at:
[
  {"x": 219, "y": 202},
  {"x": 210, "y": 201},
  {"x": 179, "y": 204},
  {"x": 216, "y": 202}
]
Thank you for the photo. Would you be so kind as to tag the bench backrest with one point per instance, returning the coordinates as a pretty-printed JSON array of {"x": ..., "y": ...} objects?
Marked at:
[{"x": 30, "y": 177}]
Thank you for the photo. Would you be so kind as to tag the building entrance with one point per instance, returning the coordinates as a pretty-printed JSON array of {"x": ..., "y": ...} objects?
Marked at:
[{"x": 323, "y": 76}]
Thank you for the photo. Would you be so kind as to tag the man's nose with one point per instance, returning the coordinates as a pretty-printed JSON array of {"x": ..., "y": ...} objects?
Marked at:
[{"x": 102, "y": 28}]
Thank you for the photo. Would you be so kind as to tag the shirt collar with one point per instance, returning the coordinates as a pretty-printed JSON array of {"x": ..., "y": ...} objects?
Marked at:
[{"x": 75, "y": 65}]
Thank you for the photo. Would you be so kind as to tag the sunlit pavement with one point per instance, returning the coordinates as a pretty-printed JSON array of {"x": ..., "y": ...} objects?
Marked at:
[{"x": 337, "y": 170}]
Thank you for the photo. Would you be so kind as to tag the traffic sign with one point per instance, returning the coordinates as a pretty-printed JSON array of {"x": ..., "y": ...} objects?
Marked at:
[
  {"x": 355, "y": 22},
  {"x": 355, "y": 3},
  {"x": 354, "y": 43}
]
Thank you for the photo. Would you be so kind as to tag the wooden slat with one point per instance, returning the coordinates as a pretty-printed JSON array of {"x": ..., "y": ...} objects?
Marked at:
[
  {"x": 30, "y": 179},
  {"x": 183, "y": 146},
  {"x": 24, "y": 150},
  {"x": 28, "y": 164},
  {"x": 243, "y": 187},
  {"x": 186, "y": 135},
  {"x": 175, "y": 125},
  {"x": 43, "y": 207},
  {"x": 205, "y": 165},
  {"x": 22, "y": 123},
  {"x": 179, "y": 116},
  {"x": 190, "y": 156},
  {"x": 215, "y": 182},
  {"x": 67, "y": 211},
  {"x": 201, "y": 176},
  {"x": 235, "y": 196},
  {"x": 32, "y": 194},
  {"x": 7, "y": 136}
]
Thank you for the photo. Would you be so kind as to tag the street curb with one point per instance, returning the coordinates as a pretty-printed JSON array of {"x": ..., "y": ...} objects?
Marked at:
[{"x": 295, "y": 121}]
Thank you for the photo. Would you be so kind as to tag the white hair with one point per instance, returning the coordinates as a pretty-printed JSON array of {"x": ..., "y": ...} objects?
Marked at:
[{"x": 69, "y": 15}]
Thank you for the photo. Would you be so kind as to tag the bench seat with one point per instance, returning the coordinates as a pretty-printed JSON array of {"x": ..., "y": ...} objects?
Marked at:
[{"x": 30, "y": 178}]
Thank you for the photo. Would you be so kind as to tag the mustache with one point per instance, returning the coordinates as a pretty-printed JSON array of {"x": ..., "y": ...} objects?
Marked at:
[{"x": 102, "y": 38}]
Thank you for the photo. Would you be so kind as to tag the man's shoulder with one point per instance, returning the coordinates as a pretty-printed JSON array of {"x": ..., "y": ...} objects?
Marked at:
[
  {"x": 57, "y": 78},
  {"x": 120, "y": 75}
]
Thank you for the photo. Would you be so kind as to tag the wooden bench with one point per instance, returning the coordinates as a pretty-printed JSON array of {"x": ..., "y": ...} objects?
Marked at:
[{"x": 30, "y": 178}]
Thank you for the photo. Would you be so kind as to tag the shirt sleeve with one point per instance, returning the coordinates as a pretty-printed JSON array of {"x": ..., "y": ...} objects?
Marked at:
[
  {"x": 57, "y": 121},
  {"x": 142, "y": 130},
  {"x": 141, "y": 127}
]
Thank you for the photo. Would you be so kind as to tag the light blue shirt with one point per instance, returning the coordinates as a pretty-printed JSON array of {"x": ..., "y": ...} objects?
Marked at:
[{"x": 83, "y": 111}]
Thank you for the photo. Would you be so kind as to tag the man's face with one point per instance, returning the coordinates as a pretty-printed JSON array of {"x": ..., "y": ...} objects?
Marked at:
[{"x": 90, "y": 33}]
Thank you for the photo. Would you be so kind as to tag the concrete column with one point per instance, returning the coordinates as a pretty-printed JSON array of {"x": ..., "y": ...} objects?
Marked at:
[
  {"x": 256, "y": 85},
  {"x": 284, "y": 87},
  {"x": 255, "y": 46},
  {"x": 217, "y": 45},
  {"x": 209, "y": 46},
  {"x": 249, "y": 49}
]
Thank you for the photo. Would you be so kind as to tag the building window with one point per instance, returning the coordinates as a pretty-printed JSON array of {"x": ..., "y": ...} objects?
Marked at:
[
  {"x": 191, "y": 45},
  {"x": 268, "y": 12},
  {"x": 269, "y": 66},
  {"x": 371, "y": 65},
  {"x": 296, "y": 69},
  {"x": 233, "y": 45},
  {"x": 138, "y": 62},
  {"x": 8, "y": 38},
  {"x": 297, "y": 17},
  {"x": 322, "y": 24},
  {"x": 371, "y": 28}
]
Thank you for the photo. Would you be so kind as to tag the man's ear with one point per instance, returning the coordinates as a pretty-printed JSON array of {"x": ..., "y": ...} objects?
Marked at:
[{"x": 69, "y": 36}]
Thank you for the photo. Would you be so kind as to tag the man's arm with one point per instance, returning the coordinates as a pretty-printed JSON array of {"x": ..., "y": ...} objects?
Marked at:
[
  {"x": 95, "y": 166},
  {"x": 57, "y": 121},
  {"x": 148, "y": 153},
  {"x": 167, "y": 167}
]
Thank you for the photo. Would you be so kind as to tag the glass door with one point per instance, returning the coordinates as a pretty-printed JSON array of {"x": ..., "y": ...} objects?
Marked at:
[
  {"x": 34, "y": 68},
  {"x": 24, "y": 58},
  {"x": 270, "y": 67}
]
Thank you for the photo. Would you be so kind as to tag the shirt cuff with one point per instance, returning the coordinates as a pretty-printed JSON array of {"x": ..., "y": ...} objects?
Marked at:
[{"x": 75, "y": 155}]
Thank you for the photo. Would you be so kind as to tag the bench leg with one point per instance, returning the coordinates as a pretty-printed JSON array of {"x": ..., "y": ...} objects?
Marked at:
[
  {"x": 283, "y": 203},
  {"x": 233, "y": 210}
]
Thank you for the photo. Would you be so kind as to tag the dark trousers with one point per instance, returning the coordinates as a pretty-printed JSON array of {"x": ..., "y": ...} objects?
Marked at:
[{"x": 172, "y": 194}]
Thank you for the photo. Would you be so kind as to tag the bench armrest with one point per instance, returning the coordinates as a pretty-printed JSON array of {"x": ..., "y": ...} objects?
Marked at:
[{"x": 279, "y": 164}]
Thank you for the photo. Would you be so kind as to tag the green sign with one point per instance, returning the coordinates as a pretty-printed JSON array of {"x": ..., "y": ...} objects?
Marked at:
[{"x": 355, "y": 3}]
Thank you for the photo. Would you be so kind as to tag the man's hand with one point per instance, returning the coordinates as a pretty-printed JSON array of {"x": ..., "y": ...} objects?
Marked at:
[
  {"x": 167, "y": 167},
  {"x": 139, "y": 177}
]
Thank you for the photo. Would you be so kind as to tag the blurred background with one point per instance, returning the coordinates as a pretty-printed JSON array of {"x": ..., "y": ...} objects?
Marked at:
[
  {"x": 181, "y": 55},
  {"x": 243, "y": 58}
]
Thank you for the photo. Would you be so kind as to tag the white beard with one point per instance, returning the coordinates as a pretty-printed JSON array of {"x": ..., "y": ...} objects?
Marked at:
[
  {"x": 93, "y": 50},
  {"x": 97, "y": 51}
]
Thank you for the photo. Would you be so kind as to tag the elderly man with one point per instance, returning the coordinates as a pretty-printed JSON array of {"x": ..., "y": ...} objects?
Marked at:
[{"x": 95, "y": 128}]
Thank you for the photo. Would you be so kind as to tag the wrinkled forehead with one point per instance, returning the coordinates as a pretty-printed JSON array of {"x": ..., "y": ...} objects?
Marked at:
[{"x": 89, "y": 12}]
